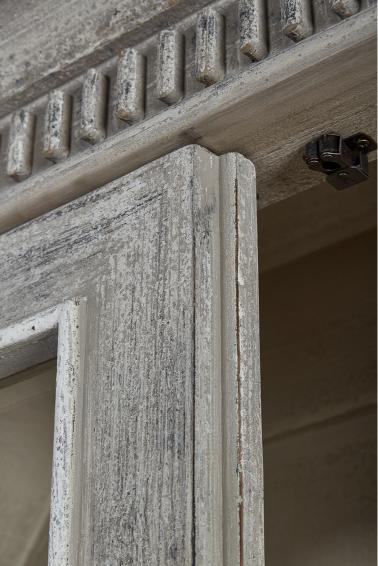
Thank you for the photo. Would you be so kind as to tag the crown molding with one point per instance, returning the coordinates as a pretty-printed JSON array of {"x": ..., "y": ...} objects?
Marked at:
[
  {"x": 45, "y": 44},
  {"x": 267, "y": 111}
]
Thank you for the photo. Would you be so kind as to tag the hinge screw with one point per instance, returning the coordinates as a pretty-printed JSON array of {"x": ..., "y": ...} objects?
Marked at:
[
  {"x": 363, "y": 144},
  {"x": 343, "y": 160}
]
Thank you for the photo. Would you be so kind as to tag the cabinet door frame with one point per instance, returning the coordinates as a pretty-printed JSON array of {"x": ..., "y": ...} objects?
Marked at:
[
  {"x": 207, "y": 292},
  {"x": 58, "y": 332}
]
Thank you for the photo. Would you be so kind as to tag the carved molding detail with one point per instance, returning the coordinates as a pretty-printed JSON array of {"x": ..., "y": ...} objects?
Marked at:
[{"x": 219, "y": 41}]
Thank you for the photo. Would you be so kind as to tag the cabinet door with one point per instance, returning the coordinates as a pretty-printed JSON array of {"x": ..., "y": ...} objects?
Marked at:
[{"x": 146, "y": 291}]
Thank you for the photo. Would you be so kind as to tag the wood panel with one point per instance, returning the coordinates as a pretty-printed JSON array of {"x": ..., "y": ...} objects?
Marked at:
[
  {"x": 145, "y": 252},
  {"x": 267, "y": 112}
]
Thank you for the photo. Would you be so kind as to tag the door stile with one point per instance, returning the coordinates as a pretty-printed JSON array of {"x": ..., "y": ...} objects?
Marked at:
[{"x": 243, "y": 514}]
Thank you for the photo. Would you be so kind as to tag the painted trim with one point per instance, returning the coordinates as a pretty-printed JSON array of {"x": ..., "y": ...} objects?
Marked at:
[
  {"x": 228, "y": 36},
  {"x": 68, "y": 322},
  {"x": 246, "y": 98}
]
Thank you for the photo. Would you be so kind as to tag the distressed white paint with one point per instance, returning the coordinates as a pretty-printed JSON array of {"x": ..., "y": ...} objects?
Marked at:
[
  {"x": 68, "y": 320},
  {"x": 93, "y": 107},
  {"x": 129, "y": 104},
  {"x": 210, "y": 56},
  {"x": 147, "y": 252},
  {"x": 55, "y": 41},
  {"x": 32, "y": 329},
  {"x": 20, "y": 146},
  {"x": 170, "y": 66},
  {"x": 243, "y": 498},
  {"x": 64, "y": 535},
  {"x": 57, "y": 128},
  {"x": 296, "y": 19},
  {"x": 253, "y": 29},
  {"x": 233, "y": 114},
  {"x": 245, "y": 23},
  {"x": 208, "y": 505}
]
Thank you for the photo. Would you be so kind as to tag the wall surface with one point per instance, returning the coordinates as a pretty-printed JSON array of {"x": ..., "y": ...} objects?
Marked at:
[
  {"x": 26, "y": 442},
  {"x": 319, "y": 389}
]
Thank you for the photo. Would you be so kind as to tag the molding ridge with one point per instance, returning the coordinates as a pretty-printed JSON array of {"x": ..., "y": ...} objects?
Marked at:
[{"x": 218, "y": 42}]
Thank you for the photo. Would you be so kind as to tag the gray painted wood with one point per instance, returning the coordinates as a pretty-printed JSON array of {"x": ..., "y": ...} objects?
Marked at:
[
  {"x": 131, "y": 71},
  {"x": 21, "y": 142},
  {"x": 253, "y": 29},
  {"x": 210, "y": 52},
  {"x": 81, "y": 33},
  {"x": 38, "y": 55},
  {"x": 251, "y": 112},
  {"x": 56, "y": 139},
  {"x": 248, "y": 24},
  {"x": 146, "y": 253},
  {"x": 296, "y": 19},
  {"x": 93, "y": 107},
  {"x": 242, "y": 436},
  {"x": 207, "y": 363},
  {"x": 170, "y": 67},
  {"x": 23, "y": 344}
]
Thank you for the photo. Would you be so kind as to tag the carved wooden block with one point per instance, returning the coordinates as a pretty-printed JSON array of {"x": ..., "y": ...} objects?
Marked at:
[
  {"x": 20, "y": 148},
  {"x": 170, "y": 68},
  {"x": 296, "y": 19},
  {"x": 130, "y": 86},
  {"x": 93, "y": 107},
  {"x": 210, "y": 59},
  {"x": 57, "y": 129},
  {"x": 253, "y": 29}
]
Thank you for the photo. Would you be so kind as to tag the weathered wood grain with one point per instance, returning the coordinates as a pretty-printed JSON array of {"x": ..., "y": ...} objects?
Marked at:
[
  {"x": 93, "y": 107},
  {"x": 296, "y": 19},
  {"x": 208, "y": 508},
  {"x": 29, "y": 342},
  {"x": 247, "y": 27},
  {"x": 253, "y": 29},
  {"x": 263, "y": 113},
  {"x": 170, "y": 66},
  {"x": 57, "y": 129},
  {"x": 243, "y": 536},
  {"x": 82, "y": 33},
  {"x": 145, "y": 251},
  {"x": 210, "y": 44},
  {"x": 23, "y": 344},
  {"x": 131, "y": 72},
  {"x": 20, "y": 146}
]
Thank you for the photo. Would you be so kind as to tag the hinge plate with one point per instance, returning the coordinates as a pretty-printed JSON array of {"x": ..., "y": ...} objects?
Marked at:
[{"x": 343, "y": 160}]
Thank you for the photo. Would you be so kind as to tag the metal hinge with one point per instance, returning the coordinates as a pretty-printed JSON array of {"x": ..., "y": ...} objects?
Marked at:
[{"x": 343, "y": 160}]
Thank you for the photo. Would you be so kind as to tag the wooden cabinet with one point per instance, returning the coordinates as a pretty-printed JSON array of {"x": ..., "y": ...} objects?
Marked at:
[
  {"x": 131, "y": 137},
  {"x": 146, "y": 292}
]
